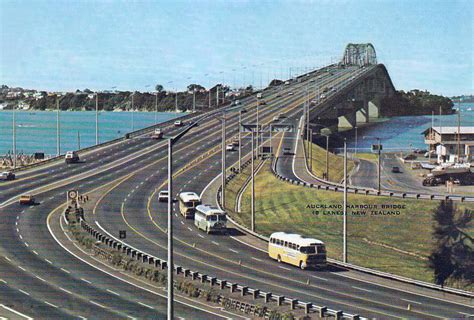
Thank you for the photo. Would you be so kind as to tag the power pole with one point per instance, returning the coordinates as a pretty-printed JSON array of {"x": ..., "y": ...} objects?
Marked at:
[
  {"x": 78, "y": 140},
  {"x": 194, "y": 100}
]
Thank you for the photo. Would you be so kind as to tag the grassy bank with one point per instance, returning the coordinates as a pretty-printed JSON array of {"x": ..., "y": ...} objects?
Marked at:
[
  {"x": 398, "y": 243},
  {"x": 335, "y": 167}
]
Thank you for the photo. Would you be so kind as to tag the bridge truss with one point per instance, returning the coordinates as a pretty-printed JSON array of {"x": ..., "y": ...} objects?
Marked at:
[{"x": 359, "y": 54}]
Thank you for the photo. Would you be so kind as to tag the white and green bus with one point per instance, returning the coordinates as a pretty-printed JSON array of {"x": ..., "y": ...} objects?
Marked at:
[
  {"x": 210, "y": 219},
  {"x": 188, "y": 201}
]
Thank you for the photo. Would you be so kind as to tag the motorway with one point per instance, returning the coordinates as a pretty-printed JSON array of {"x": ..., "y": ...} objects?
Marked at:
[{"x": 53, "y": 284}]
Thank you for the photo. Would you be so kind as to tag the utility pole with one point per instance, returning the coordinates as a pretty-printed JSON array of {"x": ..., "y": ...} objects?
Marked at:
[
  {"x": 194, "y": 100},
  {"x": 253, "y": 187},
  {"x": 58, "y": 134},
  {"x": 133, "y": 111},
  {"x": 327, "y": 157},
  {"x": 156, "y": 108},
  {"x": 355, "y": 149},
  {"x": 209, "y": 96},
  {"x": 217, "y": 96},
  {"x": 176, "y": 101},
  {"x": 240, "y": 141},
  {"x": 310, "y": 151},
  {"x": 78, "y": 140},
  {"x": 170, "y": 308},
  {"x": 344, "y": 231},
  {"x": 258, "y": 104},
  {"x": 14, "y": 137},
  {"x": 96, "y": 118}
]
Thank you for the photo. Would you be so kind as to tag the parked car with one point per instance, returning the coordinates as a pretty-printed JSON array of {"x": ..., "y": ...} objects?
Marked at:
[
  {"x": 163, "y": 196},
  {"x": 27, "y": 199},
  {"x": 396, "y": 170},
  {"x": 7, "y": 175}
]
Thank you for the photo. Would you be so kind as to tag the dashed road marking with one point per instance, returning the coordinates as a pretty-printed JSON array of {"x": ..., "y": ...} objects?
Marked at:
[
  {"x": 67, "y": 271},
  {"x": 8, "y": 258},
  {"x": 257, "y": 259},
  {"x": 65, "y": 290},
  {"x": 145, "y": 305},
  {"x": 284, "y": 268},
  {"x": 113, "y": 292},
  {"x": 234, "y": 251},
  {"x": 38, "y": 277},
  {"x": 411, "y": 301},
  {"x": 97, "y": 304},
  {"x": 320, "y": 278},
  {"x": 86, "y": 281},
  {"x": 22, "y": 268},
  {"x": 215, "y": 243},
  {"x": 50, "y": 304},
  {"x": 24, "y": 292},
  {"x": 48, "y": 261},
  {"x": 362, "y": 289}
]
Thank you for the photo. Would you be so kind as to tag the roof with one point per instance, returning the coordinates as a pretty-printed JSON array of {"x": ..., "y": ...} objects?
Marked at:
[
  {"x": 451, "y": 130},
  {"x": 296, "y": 238},
  {"x": 208, "y": 209},
  {"x": 189, "y": 196}
]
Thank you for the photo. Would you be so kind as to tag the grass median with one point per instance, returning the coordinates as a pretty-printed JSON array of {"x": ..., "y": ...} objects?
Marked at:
[
  {"x": 335, "y": 164},
  {"x": 396, "y": 239}
]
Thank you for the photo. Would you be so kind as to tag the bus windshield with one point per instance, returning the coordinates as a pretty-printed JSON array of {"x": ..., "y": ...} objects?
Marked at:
[
  {"x": 211, "y": 218},
  {"x": 308, "y": 250},
  {"x": 192, "y": 204}
]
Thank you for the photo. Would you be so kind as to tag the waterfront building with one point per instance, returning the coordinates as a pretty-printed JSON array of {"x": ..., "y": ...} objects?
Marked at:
[{"x": 451, "y": 142}]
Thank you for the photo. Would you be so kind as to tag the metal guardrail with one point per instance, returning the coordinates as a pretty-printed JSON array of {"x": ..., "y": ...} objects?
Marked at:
[
  {"x": 110, "y": 142},
  {"x": 339, "y": 188},
  {"x": 149, "y": 259}
]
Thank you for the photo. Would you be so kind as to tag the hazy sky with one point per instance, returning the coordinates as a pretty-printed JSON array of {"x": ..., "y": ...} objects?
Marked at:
[{"x": 133, "y": 45}]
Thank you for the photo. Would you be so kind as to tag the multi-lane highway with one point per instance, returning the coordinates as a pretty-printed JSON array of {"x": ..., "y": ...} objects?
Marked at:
[{"x": 40, "y": 279}]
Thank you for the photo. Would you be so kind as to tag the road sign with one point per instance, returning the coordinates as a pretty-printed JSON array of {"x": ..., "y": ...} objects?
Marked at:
[
  {"x": 250, "y": 127},
  {"x": 122, "y": 234},
  {"x": 283, "y": 127},
  {"x": 375, "y": 147}
]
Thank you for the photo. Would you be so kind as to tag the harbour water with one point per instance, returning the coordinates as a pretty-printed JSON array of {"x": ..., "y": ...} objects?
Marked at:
[
  {"x": 36, "y": 130},
  {"x": 405, "y": 133}
]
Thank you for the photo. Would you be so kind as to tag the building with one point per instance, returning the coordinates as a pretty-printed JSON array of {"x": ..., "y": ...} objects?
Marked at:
[{"x": 445, "y": 140}]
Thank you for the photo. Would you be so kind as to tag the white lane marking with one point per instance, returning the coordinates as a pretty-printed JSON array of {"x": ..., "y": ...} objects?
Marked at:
[
  {"x": 145, "y": 305},
  {"x": 8, "y": 258},
  {"x": 22, "y": 268},
  {"x": 235, "y": 251},
  {"x": 50, "y": 304},
  {"x": 284, "y": 268},
  {"x": 411, "y": 301},
  {"x": 467, "y": 314},
  {"x": 17, "y": 230},
  {"x": 40, "y": 278},
  {"x": 35, "y": 252},
  {"x": 24, "y": 292},
  {"x": 21, "y": 237},
  {"x": 16, "y": 223},
  {"x": 182, "y": 222},
  {"x": 65, "y": 290},
  {"x": 201, "y": 235},
  {"x": 48, "y": 261},
  {"x": 215, "y": 243},
  {"x": 257, "y": 259},
  {"x": 67, "y": 271},
  {"x": 86, "y": 281},
  {"x": 320, "y": 278},
  {"x": 15, "y": 312},
  {"x": 189, "y": 228},
  {"x": 26, "y": 244},
  {"x": 113, "y": 292},
  {"x": 3, "y": 281},
  {"x": 97, "y": 304},
  {"x": 361, "y": 289}
]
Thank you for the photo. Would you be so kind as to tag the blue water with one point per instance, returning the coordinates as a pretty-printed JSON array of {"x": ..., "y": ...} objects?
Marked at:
[
  {"x": 405, "y": 133},
  {"x": 36, "y": 130}
]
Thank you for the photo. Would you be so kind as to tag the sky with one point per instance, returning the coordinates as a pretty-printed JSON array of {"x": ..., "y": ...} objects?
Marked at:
[{"x": 134, "y": 45}]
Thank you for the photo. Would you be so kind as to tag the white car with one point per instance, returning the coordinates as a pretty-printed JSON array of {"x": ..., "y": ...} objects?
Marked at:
[
  {"x": 229, "y": 147},
  {"x": 276, "y": 118},
  {"x": 163, "y": 196},
  {"x": 178, "y": 123},
  {"x": 290, "y": 93}
]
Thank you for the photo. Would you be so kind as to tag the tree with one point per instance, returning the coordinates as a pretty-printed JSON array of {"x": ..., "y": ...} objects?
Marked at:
[
  {"x": 453, "y": 255},
  {"x": 196, "y": 87},
  {"x": 159, "y": 88}
]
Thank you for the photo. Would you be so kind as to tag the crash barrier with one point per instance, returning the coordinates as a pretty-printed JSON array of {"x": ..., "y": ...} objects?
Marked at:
[
  {"x": 213, "y": 281},
  {"x": 73, "y": 214},
  {"x": 338, "y": 188},
  {"x": 110, "y": 142},
  {"x": 309, "y": 307}
]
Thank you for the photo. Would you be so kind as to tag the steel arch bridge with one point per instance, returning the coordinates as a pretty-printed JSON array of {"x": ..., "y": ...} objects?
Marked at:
[{"x": 359, "y": 54}]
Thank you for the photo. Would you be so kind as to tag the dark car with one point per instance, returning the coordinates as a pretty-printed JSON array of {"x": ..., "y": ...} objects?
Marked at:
[
  {"x": 396, "y": 170},
  {"x": 7, "y": 175}
]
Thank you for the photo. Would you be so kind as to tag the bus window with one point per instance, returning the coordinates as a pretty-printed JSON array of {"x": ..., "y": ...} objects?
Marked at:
[{"x": 308, "y": 250}]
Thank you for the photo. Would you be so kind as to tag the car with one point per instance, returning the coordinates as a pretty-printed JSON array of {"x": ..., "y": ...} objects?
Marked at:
[
  {"x": 230, "y": 147},
  {"x": 410, "y": 157},
  {"x": 27, "y": 199},
  {"x": 314, "y": 101},
  {"x": 281, "y": 115},
  {"x": 287, "y": 82},
  {"x": 290, "y": 93},
  {"x": 157, "y": 134},
  {"x": 396, "y": 170},
  {"x": 286, "y": 151},
  {"x": 235, "y": 142},
  {"x": 323, "y": 96},
  {"x": 236, "y": 102},
  {"x": 262, "y": 102},
  {"x": 71, "y": 157},
  {"x": 276, "y": 118},
  {"x": 259, "y": 95},
  {"x": 178, "y": 123},
  {"x": 312, "y": 80},
  {"x": 163, "y": 196},
  {"x": 7, "y": 175}
]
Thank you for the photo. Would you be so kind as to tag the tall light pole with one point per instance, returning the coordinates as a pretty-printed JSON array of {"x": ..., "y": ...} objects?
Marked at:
[
  {"x": 170, "y": 308},
  {"x": 14, "y": 136},
  {"x": 223, "y": 158},
  {"x": 355, "y": 149},
  {"x": 252, "y": 203},
  {"x": 258, "y": 104},
  {"x": 378, "y": 165},
  {"x": 133, "y": 111},
  {"x": 176, "y": 101},
  {"x": 58, "y": 132},
  {"x": 344, "y": 227},
  {"x": 156, "y": 108},
  {"x": 96, "y": 118},
  {"x": 240, "y": 141},
  {"x": 327, "y": 157},
  {"x": 194, "y": 100}
]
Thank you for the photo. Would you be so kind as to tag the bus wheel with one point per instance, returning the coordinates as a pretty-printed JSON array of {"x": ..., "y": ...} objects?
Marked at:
[
  {"x": 279, "y": 258},
  {"x": 302, "y": 265}
]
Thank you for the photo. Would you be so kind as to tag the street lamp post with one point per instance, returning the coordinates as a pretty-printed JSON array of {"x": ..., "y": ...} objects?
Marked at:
[
  {"x": 14, "y": 137},
  {"x": 355, "y": 148},
  {"x": 378, "y": 165},
  {"x": 253, "y": 186},
  {"x": 96, "y": 118},
  {"x": 344, "y": 231},
  {"x": 176, "y": 101},
  {"x": 58, "y": 132},
  {"x": 156, "y": 108},
  {"x": 240, "y": 141},
  {"x": 223, "y": 158},
  {"x": 133, "y": 111},
  {"x": 170, "y": 308}
]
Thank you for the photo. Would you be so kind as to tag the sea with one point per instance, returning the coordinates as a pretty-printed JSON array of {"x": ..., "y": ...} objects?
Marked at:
[{"x": 36, "y": 130}]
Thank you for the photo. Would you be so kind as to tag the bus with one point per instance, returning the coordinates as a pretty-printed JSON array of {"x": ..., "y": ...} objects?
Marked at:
[
  {"x": 297, "y": 250},
  {"x": 210, "y": 219},
  {"x": 187, "y": 203}
]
